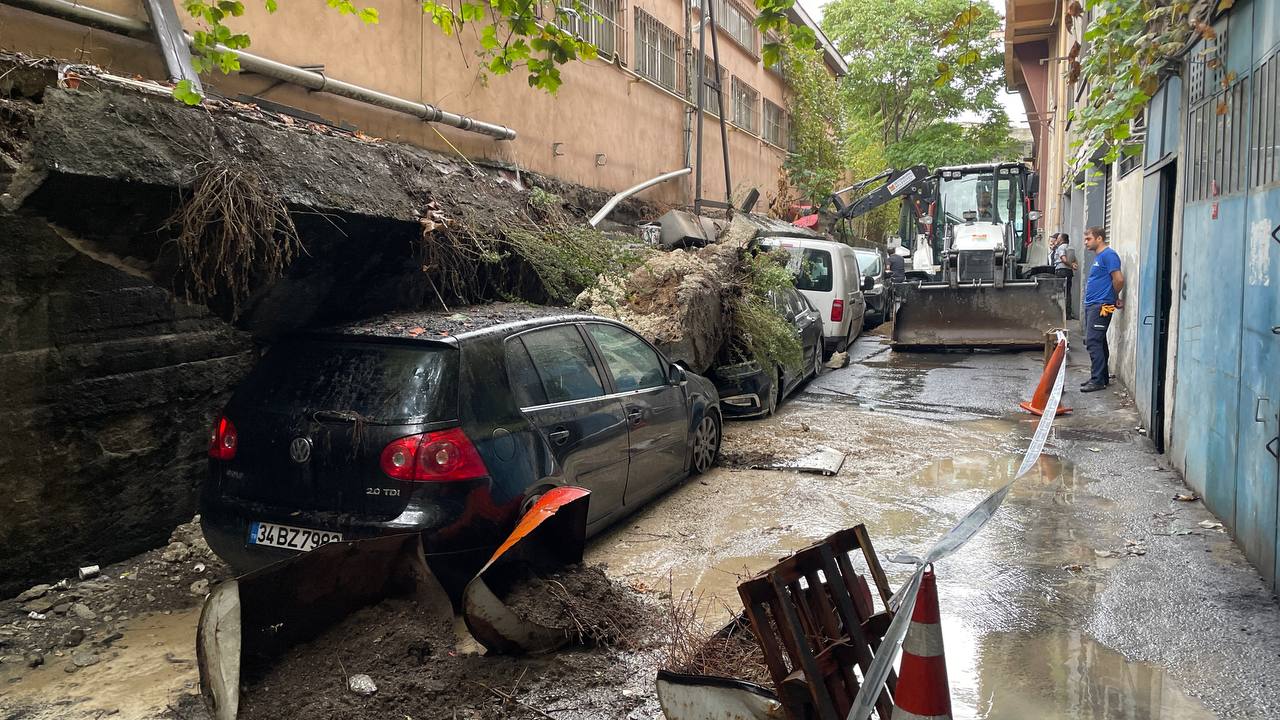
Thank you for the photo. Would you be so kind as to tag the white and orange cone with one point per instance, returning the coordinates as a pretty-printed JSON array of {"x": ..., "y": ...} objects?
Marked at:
[
  {"x": 923, "y": 692},
  {"x": 1041, "y": 396}
]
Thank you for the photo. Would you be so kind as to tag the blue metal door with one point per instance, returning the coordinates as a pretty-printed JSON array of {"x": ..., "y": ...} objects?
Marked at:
[{"x": 1258, "y": 469}]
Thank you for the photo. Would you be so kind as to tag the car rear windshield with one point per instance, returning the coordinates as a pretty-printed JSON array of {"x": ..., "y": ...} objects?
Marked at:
[
  {"x": 869, "y": 262},
  {"x": 379, "y": 382},
  {"x": 811, "y": 268}
]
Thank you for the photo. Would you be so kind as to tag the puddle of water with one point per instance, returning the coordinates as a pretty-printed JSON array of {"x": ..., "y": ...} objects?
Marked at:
[
  {"x": 1013, "y": 599},
  {"x": 1059, "y": 675},
  {"x": 139, "y": 678}
]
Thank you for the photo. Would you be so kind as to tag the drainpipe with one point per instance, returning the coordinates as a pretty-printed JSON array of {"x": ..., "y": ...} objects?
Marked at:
[
  {"x": 688, "y": 82},
  {"x": 263, "y": 66},
  {"x": 613, "y": 201}
]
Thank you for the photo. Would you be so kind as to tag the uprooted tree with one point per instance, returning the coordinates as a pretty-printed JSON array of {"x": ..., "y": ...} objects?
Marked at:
[{"x": 707, "y": 305}]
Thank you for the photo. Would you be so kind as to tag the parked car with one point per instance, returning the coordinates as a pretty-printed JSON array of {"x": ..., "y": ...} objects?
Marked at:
[
  {"x": 748, "y": 388},
  {"x": 423, "y": 422},
  {"x": 874, "y": 264},
  {"x": 826, "y": 272}
]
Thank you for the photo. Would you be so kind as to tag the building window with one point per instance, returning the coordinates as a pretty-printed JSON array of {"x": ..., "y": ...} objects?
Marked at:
[
  {"x": 745, "y": 102},
  {"x": 1217, "y": 141},
  {"x": 737, "y": 24},
  {"x": 775, "y": 125},
  {"x": 1131, "y": 153},
  {"x": 657, "y": 50},
  {"x": 1265, "y": 140},
  {"x": 599, "y": 22},
  {"x": 709, "y": 87}
]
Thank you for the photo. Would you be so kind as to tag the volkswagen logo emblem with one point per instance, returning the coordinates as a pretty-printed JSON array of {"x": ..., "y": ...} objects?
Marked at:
[{"x": 300, "y": 449}]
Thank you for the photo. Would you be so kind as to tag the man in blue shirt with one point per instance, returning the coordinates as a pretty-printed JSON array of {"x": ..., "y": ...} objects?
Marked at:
[{"x": 1101, "y": 300}]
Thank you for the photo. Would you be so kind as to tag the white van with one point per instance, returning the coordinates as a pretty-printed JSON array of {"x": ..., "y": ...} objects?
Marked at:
[{"x": 826, "y": 272}]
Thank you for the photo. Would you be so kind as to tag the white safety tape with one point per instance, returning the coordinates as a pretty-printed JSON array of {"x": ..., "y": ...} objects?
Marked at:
[{"x": 903, "y": 602}]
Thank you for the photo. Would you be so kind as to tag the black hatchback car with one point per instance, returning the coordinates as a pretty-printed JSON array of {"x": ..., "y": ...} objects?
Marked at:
[
  {"x": 451, "y": 425},
  {"x": 748, "y": 388}
]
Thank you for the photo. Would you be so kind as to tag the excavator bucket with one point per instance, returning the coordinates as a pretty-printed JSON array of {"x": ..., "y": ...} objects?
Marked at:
[
  {"x": 251, "y": 620},
  {"x": 553, "y": 533},
  {"x": 1015, "y": 316}
]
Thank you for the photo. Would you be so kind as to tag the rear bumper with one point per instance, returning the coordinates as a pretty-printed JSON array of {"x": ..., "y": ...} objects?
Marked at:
[
  {"x": 743, "y": 395},
  {"x": 474, "y": 527}
]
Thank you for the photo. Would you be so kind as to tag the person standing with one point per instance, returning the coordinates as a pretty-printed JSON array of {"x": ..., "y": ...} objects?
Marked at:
[
  {"x": 1063, "y": 260},
  {"x": 897, "y": 266},
  {"x": 1101, "y": 300}
]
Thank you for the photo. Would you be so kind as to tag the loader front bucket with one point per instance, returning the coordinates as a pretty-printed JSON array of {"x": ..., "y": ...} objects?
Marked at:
[
  {"x": 553, "y": 533},
  {"x": 1014, "y": 317},
  {"x": 249, "y": 621}
]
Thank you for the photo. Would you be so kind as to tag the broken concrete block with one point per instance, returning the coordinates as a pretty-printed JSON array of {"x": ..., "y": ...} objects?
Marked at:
[{"x": 83, "y": 612}]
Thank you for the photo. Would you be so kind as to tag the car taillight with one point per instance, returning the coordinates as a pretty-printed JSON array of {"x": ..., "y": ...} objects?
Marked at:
[
  {"x": 443, "y": 456},
  {"x": 837, "y": 310},
  {"x": 223, "y": 440}
]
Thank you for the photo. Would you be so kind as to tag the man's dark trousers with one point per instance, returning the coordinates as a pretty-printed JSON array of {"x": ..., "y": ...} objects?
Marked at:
[
  {"x": 1095, "y": 339},
  {"x": 1069, "y": 275}
]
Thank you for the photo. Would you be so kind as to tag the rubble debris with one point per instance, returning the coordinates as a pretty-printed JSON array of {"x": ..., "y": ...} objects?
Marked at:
[
  {"x": 38, "y": 591},
  {"x": 176, "y": 552},
  {"x": 34, "y": 659},
  {"x": 1186, "y": 497},
  {"x": 580, "y": 600},
  {"x": 89, "y": 571},
  {"x": 74, "y": 637},
  {"x": 200, "y": 588},
  {"x": 83, "y": 612},
  {"x": 84, "y": 658},
  {"x": 821, "y": 460},
  {"x": 361, "y": 685}
]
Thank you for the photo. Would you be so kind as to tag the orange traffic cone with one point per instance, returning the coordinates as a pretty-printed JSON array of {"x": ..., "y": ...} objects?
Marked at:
[
  {"x": 1041, "y": 396},
  {"x": 923, "y": 692}
]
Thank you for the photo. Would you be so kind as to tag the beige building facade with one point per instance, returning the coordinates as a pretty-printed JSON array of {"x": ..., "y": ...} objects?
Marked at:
[{"x": 615, "y": 122}]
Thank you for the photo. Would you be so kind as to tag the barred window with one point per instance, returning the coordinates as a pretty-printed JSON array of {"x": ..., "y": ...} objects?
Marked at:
[
  {"x": 745, "y": 102},
  {"x": 737, "y": 24},
  {"x": 775, "y": 124},
  {"x": 708, "y": 89},
  {"x": 1265, "y": 138},
  {"x": 599, "y": 22},
  {"x": 657, "y": 50},
  {"x": 1216, "y": 141}
]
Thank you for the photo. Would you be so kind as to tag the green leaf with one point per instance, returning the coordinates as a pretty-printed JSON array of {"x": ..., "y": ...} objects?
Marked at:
[
  {"x": 272, "y": 6},
  {"x": 228, "y": 62},
  {"x": 489, "y": 37},
  {"x": 184, "y": 92},
  {"x": 369, "y": 16},
  {"x": 967, "y": 58},
  {"x": 471, "y": 12},
  {"x": 772, "y": 54}
]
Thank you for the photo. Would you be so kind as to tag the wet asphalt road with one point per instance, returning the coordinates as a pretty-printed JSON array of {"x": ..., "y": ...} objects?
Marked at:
[{"x": 1091, "y": 594}]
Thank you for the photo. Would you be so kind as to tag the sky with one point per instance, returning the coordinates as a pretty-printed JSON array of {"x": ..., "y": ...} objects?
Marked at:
[{"x": 1012, "y": 101}]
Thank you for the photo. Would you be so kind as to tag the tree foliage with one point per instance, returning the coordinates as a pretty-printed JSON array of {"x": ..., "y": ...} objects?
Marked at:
[
  {"x": 912, "y": 64},
  {"x": 947, "y": 142},
  {"x": 818, "y": 123},
  {"x": 1128, "y": 44}
]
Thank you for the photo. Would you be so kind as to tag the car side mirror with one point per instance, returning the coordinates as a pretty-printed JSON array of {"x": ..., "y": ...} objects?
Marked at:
[
  {"x": 676, "y": 375},
  {"x": 868, "y": 282}
]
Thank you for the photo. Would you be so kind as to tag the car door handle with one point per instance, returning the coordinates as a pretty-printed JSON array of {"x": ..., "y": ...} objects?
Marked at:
[
  {"x": 558, "y": 436},
  {"x": 635, "y": 415}
]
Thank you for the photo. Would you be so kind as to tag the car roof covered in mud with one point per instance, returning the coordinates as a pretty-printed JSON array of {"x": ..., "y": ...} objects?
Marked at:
[{"x": 457, "y": 323}]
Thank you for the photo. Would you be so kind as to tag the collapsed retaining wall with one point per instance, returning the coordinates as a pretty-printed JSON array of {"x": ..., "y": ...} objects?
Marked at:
[{"x": 111, "y": 379}]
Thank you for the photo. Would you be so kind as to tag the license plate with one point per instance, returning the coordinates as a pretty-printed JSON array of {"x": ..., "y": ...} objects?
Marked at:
[{"x": 287, "y": 536}]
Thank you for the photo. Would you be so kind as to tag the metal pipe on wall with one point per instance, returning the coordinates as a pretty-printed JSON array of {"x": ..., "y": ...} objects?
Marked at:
[
  {"x": 613, "y": 201},
  {"x": 131, "y": 27}
]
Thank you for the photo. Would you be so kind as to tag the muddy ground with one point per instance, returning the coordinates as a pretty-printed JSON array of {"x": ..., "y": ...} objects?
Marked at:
[
  {"x": 423, "y": 666},
  {"x": 1092, "y": 593}
]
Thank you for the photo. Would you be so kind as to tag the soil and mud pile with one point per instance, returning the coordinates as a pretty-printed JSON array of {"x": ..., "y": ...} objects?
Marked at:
[
  {"x": 419, "y": 669},
  {"x": 680, "y": 301}
]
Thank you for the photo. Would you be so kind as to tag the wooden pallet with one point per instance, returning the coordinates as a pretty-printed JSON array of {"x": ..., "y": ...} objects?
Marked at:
[{"x": 815, "y": 620}]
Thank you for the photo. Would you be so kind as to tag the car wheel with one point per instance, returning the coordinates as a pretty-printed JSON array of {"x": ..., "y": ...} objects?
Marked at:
[
  {"x": 818, "y": 365},
  {"x": 706, "y": 443},
  {"x": 775, "y": 394}
]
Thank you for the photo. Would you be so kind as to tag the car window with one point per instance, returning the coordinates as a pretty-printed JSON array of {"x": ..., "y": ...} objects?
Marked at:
[
  {"x": 377, "y": 381},
  {"x": 524, "y": 379},
  {"x": 634, "y": 364},
  {"x": 869, "y": 262},
  {"x": 852, "y": 278},
  {"x": 563, "y": 363},
  {"x": 811, "y": 269},
  {"x": 782, "y": 303}
]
